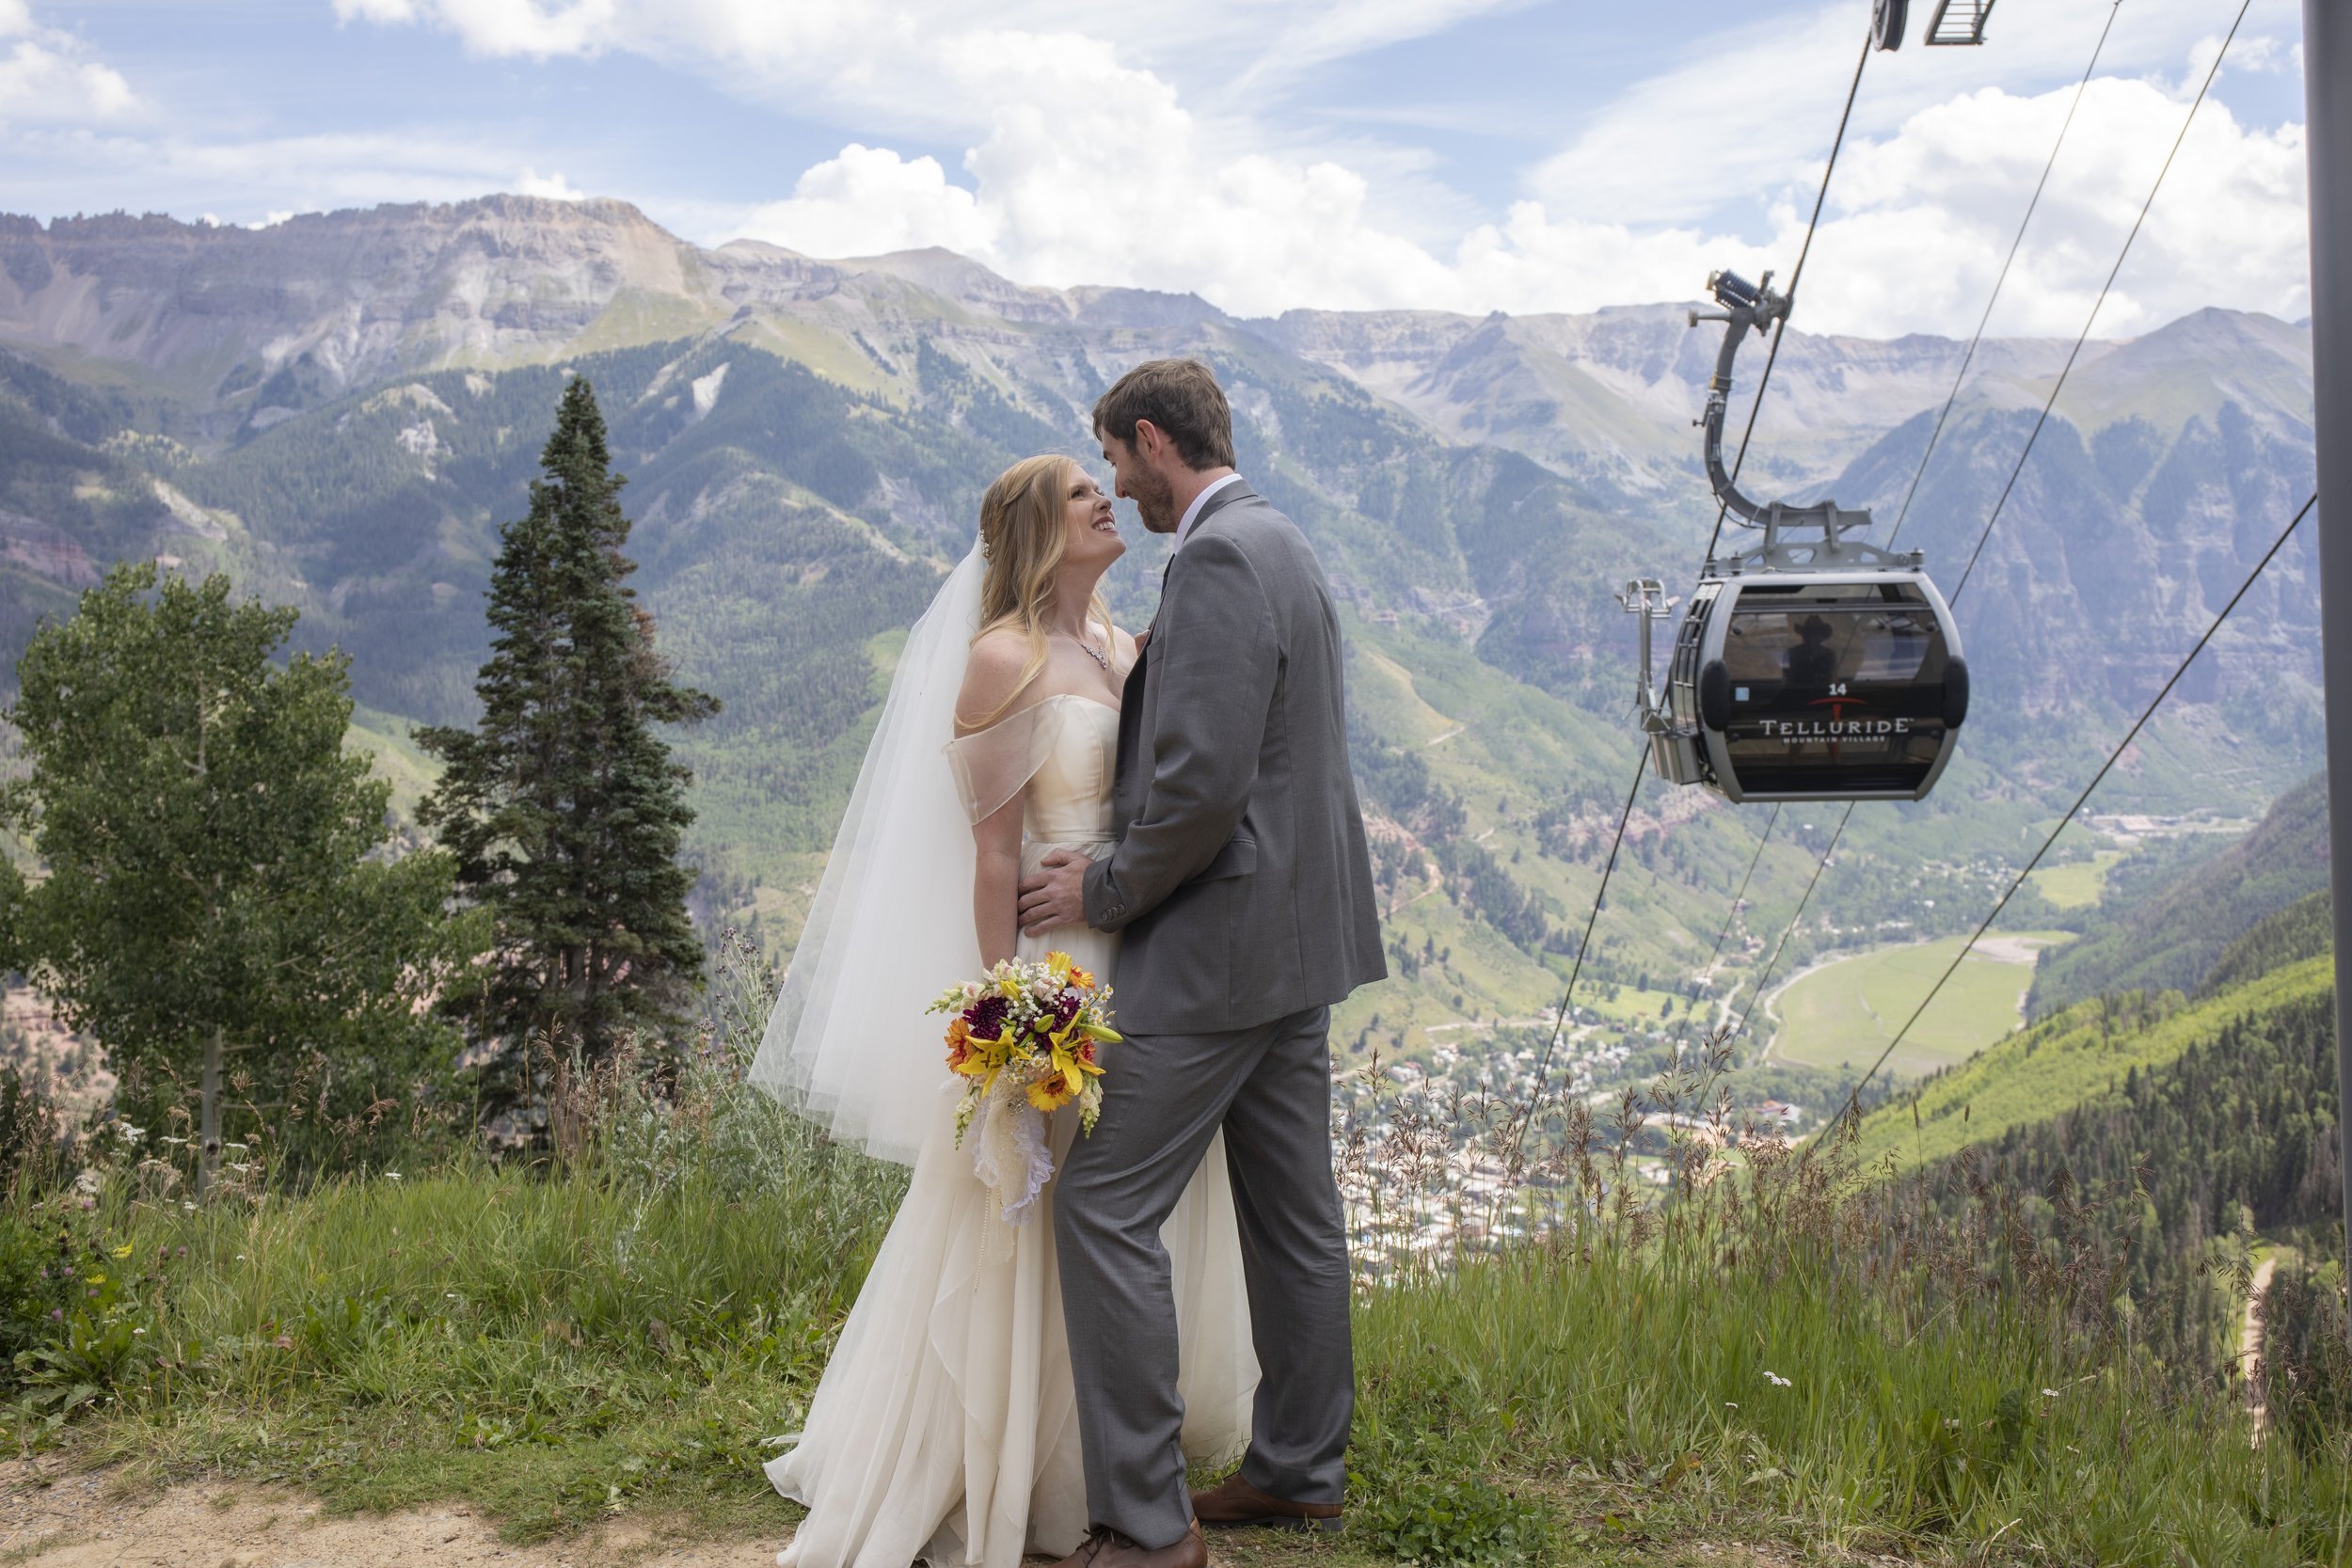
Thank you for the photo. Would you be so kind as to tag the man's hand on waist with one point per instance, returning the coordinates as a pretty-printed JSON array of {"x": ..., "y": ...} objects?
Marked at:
[{"x": 1055, "y": 895}]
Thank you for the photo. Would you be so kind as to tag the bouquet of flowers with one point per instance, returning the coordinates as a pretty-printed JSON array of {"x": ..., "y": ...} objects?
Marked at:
[{"x": 1026, "y": 1038}]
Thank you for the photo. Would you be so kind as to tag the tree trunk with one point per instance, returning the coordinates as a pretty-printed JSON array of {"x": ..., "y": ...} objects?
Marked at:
[{"x": 209, "y": 1128}]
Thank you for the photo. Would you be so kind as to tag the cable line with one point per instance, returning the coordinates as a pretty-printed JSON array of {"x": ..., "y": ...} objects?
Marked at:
[
  {"x": 1853, "y": 1100},
  {"x": 2051, "y": 402},
  {"x": 1730, "y": 915},
  {"x": 2186, "y": 121},
  {"x": 1969, "y": 358},
  {"x": 1790, "y": 929},
  {"x": 1781, "y": 330},
  {"x": 1543, "y": 1065}
]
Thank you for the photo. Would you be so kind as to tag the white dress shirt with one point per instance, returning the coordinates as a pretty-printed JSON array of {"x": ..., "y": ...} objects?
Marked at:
[{"x": 1192, "y": 512}]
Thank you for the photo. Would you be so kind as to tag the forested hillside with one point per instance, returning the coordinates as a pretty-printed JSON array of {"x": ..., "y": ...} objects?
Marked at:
[
  {"x": 340, "y": 411},
  {"x": 2167, "y": 915}
]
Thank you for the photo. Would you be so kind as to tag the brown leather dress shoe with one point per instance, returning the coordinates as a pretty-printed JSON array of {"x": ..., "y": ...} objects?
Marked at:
[
  {"x": 1234, "y": 1502},
  {"x": 1107, "y": 1549}
]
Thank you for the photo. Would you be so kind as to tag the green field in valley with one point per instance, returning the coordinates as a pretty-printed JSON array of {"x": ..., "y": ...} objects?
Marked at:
[
  {"x": 1842, "y": 1014},
  {"x": 2078, "y": 883}
]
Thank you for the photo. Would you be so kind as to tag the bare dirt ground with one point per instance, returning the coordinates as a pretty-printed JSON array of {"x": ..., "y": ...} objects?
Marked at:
[{"x": 52, "y": 1517}]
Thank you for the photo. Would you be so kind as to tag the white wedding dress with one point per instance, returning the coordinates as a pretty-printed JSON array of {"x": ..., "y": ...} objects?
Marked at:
[{"x": 945, "y": 1426}]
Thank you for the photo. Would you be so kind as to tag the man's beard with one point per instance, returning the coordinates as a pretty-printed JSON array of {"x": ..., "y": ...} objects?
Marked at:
[{"x": 1155, "y": 502}]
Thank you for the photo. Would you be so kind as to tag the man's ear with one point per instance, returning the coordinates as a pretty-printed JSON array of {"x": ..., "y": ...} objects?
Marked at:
[{"x": 1148, "y": 441}]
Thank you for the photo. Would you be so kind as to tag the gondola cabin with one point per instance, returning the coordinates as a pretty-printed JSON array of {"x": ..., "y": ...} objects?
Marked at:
[
  {"x": 1811, "y": 665},
  {"x": 1814, "y": 687}
]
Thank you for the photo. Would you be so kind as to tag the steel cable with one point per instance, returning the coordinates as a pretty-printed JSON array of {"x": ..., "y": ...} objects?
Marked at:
[
  {"x": 2068, "y": 369},
  {"x": 1982, "y": 322},
  {"x": 1854, "y": 1099},
  {"x": 1780, "y": 329}
]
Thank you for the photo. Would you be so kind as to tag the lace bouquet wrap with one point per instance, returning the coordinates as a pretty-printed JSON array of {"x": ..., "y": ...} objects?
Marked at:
[{"x": 1027, "y": 1039}]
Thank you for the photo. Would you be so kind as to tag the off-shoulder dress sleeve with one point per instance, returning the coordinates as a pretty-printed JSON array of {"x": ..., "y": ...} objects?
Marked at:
[{"x": 992, "y": 765}]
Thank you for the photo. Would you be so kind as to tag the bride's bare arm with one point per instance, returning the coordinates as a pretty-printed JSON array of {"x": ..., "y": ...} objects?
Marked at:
[{"x": 990, "y": 676}]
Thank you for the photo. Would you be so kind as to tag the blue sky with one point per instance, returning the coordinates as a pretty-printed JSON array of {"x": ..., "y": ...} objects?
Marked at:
[{"x": 1460, "y": 154}]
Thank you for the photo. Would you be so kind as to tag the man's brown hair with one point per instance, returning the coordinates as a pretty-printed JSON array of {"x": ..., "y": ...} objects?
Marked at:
[{"x": 1181, "y": 398}]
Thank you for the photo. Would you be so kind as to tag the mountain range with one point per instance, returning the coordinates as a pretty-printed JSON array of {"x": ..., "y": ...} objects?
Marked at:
[{"x": 341, "y": 409}]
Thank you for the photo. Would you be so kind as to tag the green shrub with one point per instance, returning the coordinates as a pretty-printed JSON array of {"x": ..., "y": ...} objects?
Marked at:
[{"x": 1420, "y": 1503}]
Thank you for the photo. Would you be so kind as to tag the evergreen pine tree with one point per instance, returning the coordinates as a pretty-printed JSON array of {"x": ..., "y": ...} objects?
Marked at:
[{"x": 563, "y": 806}]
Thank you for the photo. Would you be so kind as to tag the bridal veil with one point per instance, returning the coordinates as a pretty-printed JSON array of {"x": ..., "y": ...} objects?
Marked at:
[{"x": 891, "y": 927}]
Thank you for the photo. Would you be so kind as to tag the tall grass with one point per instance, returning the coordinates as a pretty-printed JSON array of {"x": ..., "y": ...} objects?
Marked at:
[
  {"x": 1555, "y": 1350},
  {"x": 639, "y": 1312}
]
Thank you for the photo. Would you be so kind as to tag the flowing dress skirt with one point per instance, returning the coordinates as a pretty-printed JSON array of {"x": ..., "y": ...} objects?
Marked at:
[{"x": 945, "y": 1426}]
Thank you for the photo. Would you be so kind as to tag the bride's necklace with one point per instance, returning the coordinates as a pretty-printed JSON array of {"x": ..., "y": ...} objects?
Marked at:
[{"x": 1098, "y": 659}]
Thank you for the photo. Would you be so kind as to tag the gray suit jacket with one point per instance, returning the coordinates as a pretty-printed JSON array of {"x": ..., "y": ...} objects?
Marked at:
[{"x": 1241, "y": 879}]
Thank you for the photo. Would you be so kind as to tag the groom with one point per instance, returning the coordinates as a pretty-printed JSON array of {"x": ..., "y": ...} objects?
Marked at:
[{"x": 1243, "y": 885}]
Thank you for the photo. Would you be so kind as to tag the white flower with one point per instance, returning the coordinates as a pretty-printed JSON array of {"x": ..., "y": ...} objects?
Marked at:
[
  {"x": 2049, "y": 1393},
  {"x": 393, "y": 1175},
  {"x": 1776, "y": 1379}
]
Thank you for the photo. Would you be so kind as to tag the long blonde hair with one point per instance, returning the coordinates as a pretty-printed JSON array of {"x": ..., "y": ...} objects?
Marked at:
[{"x": 1022, "y": 537}]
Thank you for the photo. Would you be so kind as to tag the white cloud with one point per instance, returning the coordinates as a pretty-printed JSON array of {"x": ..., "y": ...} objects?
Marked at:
[
  {"x": 499, "y": 27},
  {"x": 45, "y": 83},
  {"x": 1925, "y": 216},
  {"x": 16, "y": 16},
  {"x": 553, "y": 187},
  {"x": 53, "y": 169},
  {"x": 1919, "y": 219},
  {"x": 1083, "y": 167},
  {"x": 869, "y": 200}
]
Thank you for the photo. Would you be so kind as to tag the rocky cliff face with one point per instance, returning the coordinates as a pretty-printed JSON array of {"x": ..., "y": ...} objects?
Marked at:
[
  {"x": 2171, "y": 460},
  {"x": 251, "y": 322}
]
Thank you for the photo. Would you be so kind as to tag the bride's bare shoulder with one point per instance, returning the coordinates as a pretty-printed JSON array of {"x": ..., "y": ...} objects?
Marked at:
[{"x": 992, "y": 674}]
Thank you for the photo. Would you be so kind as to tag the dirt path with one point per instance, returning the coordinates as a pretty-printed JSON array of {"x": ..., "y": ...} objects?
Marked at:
[
  {"x": 2249, "y": 1345},
  {"x": 52, "y": 1517}
]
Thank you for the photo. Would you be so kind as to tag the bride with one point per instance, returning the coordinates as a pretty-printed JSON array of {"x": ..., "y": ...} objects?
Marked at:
[{"x": 945, "y": 1425}]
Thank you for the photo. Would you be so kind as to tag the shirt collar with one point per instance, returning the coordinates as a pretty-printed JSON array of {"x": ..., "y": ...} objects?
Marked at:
[{"x": 1192, "y": 512}]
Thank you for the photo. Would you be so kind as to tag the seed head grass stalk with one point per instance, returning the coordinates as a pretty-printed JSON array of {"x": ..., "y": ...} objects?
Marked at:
[{"x": 1640, "y": 1325}]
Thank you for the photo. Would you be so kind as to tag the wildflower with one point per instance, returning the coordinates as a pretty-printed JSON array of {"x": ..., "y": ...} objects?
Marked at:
[
  {"x": 138, "y": 1331},
  {"x": 1729, "y": 1404},
  {"x": 392, "y": 1176},
  {"x": 1776, "y": 1379},
  {"x": 2049, "y": 1393},
  {"x": 56, "y": 1314},
  {"x": 1053, "y": 1091}
]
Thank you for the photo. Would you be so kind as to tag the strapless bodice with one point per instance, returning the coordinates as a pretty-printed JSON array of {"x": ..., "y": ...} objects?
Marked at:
[
  {"x": 1060, "y": 755},
  {"x": 1069, "y": 800}
]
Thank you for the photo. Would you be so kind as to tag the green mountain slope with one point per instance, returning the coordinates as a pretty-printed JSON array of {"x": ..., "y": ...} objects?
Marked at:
[
  {"x": 2080, "y": 1059},
  {"x": 341, "y": 410},
  {"x": 2303, "y": 930},
  {"x": 2164, "y": 923}
]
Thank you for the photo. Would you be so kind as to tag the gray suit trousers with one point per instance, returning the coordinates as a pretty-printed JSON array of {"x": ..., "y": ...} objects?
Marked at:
[{"x": 1164, "y": 1098}]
